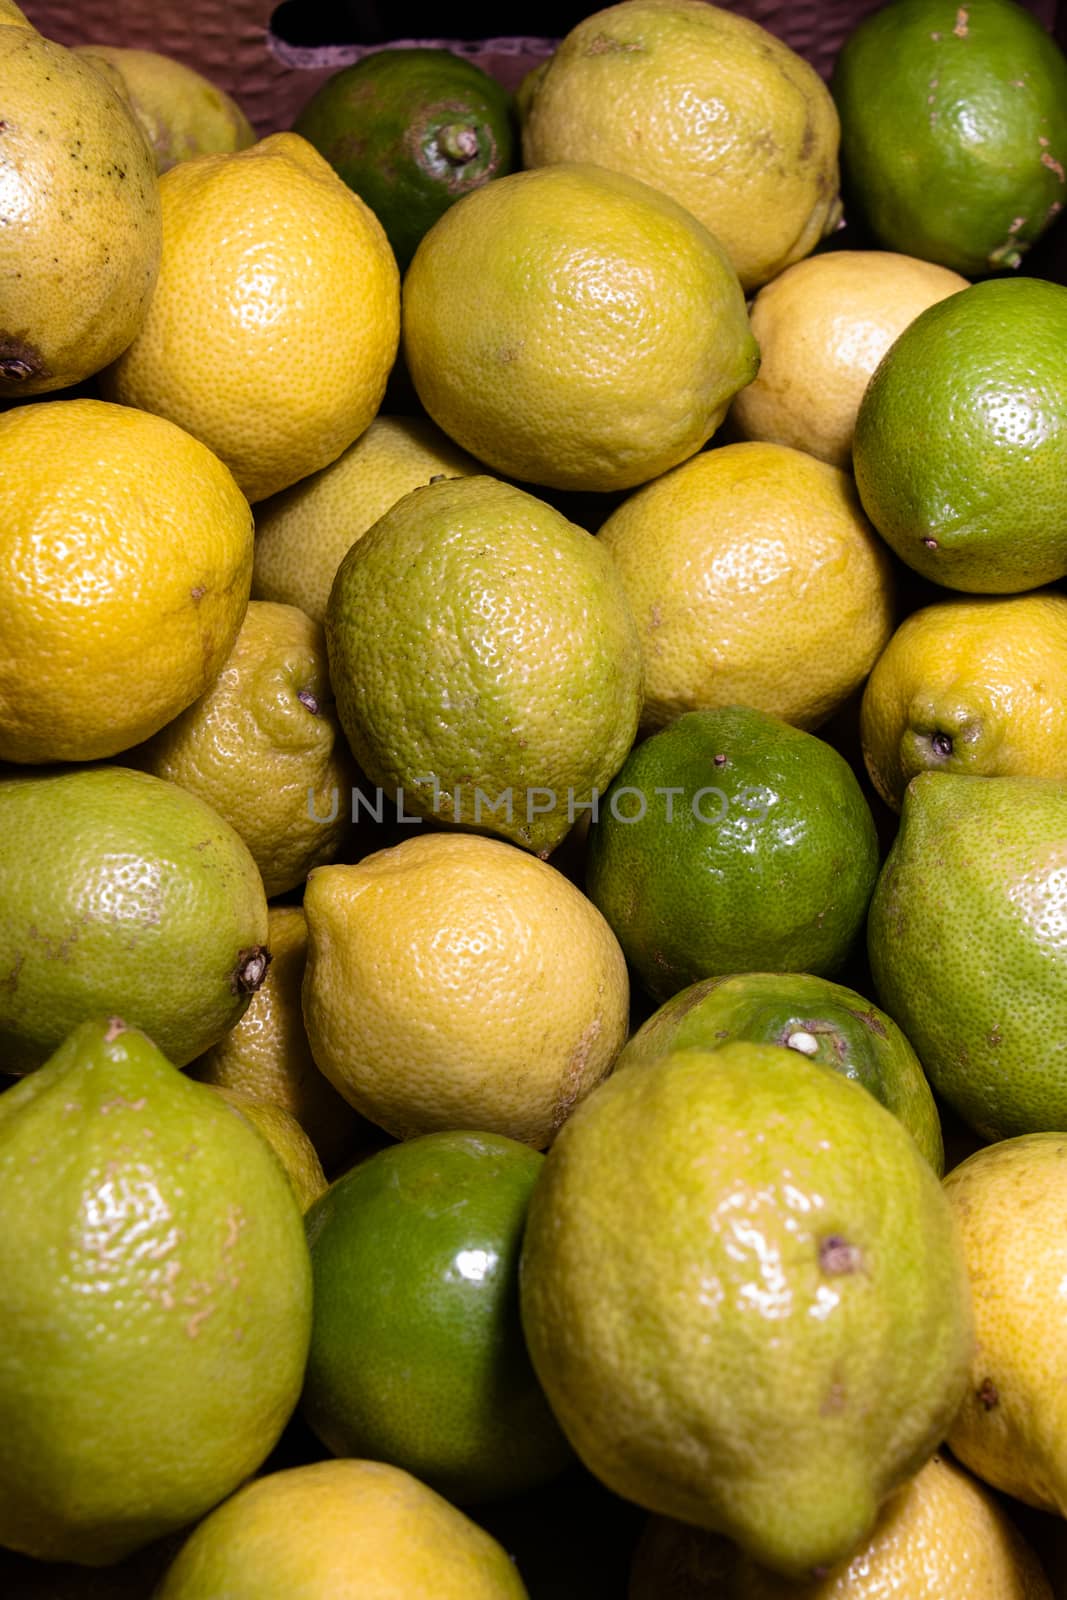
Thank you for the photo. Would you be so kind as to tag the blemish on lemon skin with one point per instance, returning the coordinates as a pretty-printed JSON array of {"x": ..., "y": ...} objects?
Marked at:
[
  {"x": 1053, "y": 165},
  {"x": 960, "y": 30}
]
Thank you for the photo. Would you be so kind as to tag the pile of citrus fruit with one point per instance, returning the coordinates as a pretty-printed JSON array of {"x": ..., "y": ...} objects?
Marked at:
[{"x": 533, "y": 820}]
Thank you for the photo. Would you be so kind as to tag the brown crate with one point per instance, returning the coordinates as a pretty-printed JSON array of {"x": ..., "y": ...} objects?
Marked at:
[{"x": 233, "y": 45}]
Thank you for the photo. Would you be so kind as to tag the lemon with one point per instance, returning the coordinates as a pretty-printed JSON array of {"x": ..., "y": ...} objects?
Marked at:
[
  {"x": 266, "y": 1053},
  {"x": 80, "y": 243},
  {"x": 707, "y": 106},
  {"x": 960, "y": 448},
  {"x": 263, "y": 747},
  {"x": 455, "y": 982},
  {"x": 120, "y": 890},
  {"x": 287, "y": 1140},
  {"x": 743, "y": 1291},
  {"x": 942, "y": 1534},
  {"x": 340, "y": 1530},
  {"x": 182, "y": 113},
  {"x": 304, "y": 533},
  {"x": 156, "y": 1298},
  {"x": 275, "y": 317},
  {"x": 967, "y": 947},
  {"x": 1012, "y": 1426},
  {"x": 575, "y": 328},
  {"x": 954, "y": 129},
  {"x": 822, "y": 327},
  {"x": 125, "y": 565},
  {"x": 970, "y": 686},
  {"x": 756, "y": 580},
  {"x": 485, "y": 660}
]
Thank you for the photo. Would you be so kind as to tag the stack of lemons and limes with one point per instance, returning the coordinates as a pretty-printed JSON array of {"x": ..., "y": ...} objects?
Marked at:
[{"x": 533, "y": 734}]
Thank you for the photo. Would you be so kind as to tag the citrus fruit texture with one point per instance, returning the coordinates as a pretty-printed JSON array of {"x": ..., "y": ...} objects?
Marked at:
[
  {"x": 767, "y": 1328},
  {"x": 732, "y": 842},
  {"x": 341, "y": 1530},
  {"x": 126, "y": 561},
  {"x": 968, "y": 945},
  {"x": 182, "y": 113},
  {"x": 941, "y": 1534},
  {"x": 822, "y": 327},
  {"x": 707, "y": 106},
  {"x": 266, "y": 1053},
  {"x": 411, "y": 130},
  {"x": 263, "y": 746},
  {"x": 973, "y": 686},
  {"x": 122, "y": 891},
  {"x": 1010, "y": 1429},
  {"x": 755, "y": 579},
  {"x": 304, "y": 533},
  {"x": 275, "y": 317},
  {"x": 156, "y": 1296},
  {"x": 575, "y": 328},
  {"x": 954, "y": 130},
  {"x": 522, "y": 992},
  {"x": 485, "y": 660},
  {"x": 286, "y": 1139},
  {"x": 417, "y": 1354},
  {"x": 960, "y": 448},
  {"x": 823, "y": 1021},
  {"x": 82, "y": 232}
]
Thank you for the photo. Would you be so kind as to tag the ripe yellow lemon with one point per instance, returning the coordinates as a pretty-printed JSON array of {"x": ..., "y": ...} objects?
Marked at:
[
  {"x": 756, "y": 580},
  {"x": 125, "y": 565},
  {"x": 942, "y": 1535},
  {"x": 822, "y": 327},
  {"x": 705, "y": 105},
  {"x": 456, "y": 982},
  {"x": 304, "y": 533},
  {"x": 275, "y": 317},
  {"x": 340, "y": 1530},
  {"x": 263, "y": 746},
  {"x": 575, "y": 328},
  {"x": 971, "y": 685},
  {"x": 267, "y": 1055}
]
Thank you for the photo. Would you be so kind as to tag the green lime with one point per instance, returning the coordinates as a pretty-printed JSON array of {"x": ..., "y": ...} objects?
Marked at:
[
  {"x": 953, "y": 130},
  {"x": 960, "y": 448},
  {"x": 732, "y": 842},
  {"x": 417, "y": 1354},
  {"x": 820, "y": 1020},
  {"x": 411, "y": 130}
]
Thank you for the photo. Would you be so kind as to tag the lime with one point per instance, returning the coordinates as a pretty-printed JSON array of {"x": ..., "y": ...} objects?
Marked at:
[
  {"x": 410, "y": 130},
  {"x": 954, "y": 130},
  {"x": 417, "y": 1355},
  {"x": 821, "y": 1020},
  {"x": 732, "y": 842},
  {"x": 960, "y": 448}
]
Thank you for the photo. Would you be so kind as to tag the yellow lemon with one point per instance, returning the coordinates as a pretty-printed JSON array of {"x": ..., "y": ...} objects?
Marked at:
[
  {"x": 575, "y": 328},
  {"x": 182, "y": 113},
  {"x": 288, "y": 1141},
  {"x": 304, "y": 533},
  {"x": 458, "y": 982},
  {"x": 1012, "y": 1426},
  {"x": 975, "y": 685},
  {"x": 705, "y": 105},
  {"x": 942, "y": 1535},
  {"x": 275, "y": 317},
  {"x": 756, "y": 580},
  {"x": 125, "y": 565},
  {"x": 340, "y": 1530},
  {"x": 822, "y": 327},
  {"x": 267, "y": 1054},
  {"x": 263, "y": 746}
]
